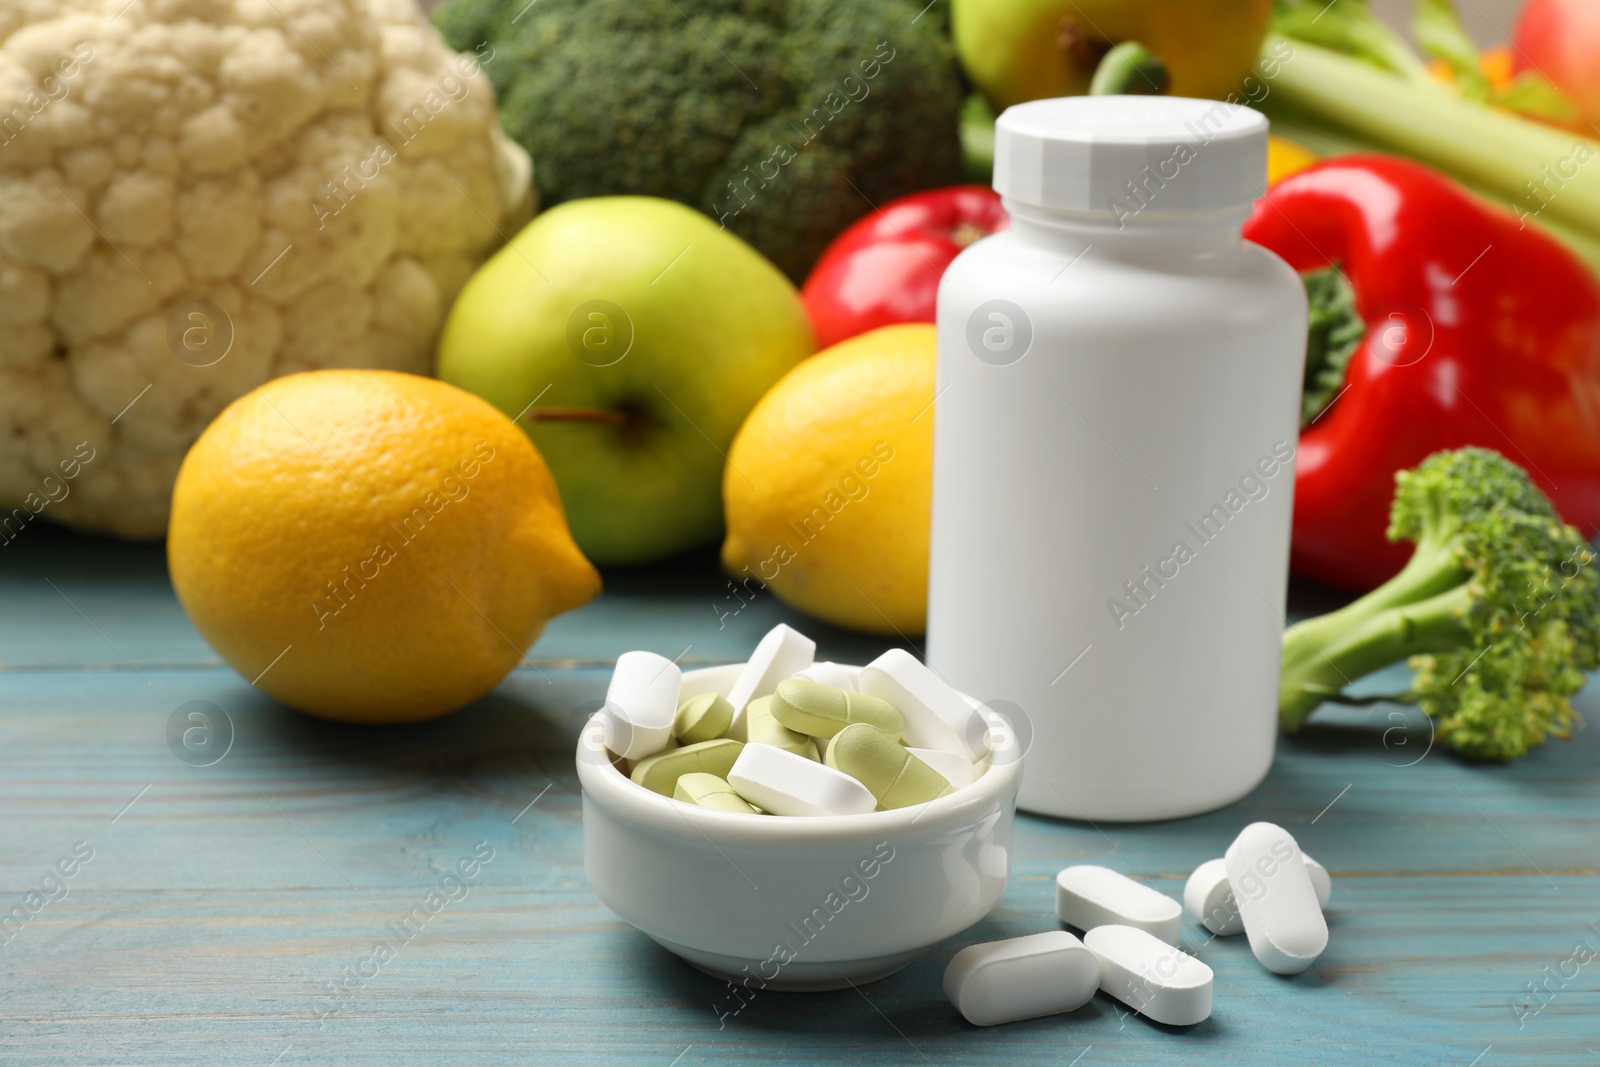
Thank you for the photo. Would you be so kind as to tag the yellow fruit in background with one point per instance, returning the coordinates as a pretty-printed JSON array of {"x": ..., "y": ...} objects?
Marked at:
[
  {"x": 370, "y": 546},
  {"x": 828, "y": 484},
  {"x": 1286, "y": 157}
]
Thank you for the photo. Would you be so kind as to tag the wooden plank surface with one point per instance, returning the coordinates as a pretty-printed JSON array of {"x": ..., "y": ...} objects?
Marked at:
[{"x": 221, "y": 902}]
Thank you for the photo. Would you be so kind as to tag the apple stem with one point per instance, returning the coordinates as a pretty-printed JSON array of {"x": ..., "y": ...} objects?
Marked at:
[{"x": 599, "y": 415}]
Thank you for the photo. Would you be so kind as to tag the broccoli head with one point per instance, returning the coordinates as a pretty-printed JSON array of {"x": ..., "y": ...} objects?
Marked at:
[
  {"x": 783, "y": 119},
  {"x": 1498, "y": 612}
]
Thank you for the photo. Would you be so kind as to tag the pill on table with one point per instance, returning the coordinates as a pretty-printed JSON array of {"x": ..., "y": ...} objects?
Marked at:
[
  {"x": 896, "y": 777},
  {"x": 819, "y": 710},
  {"x": 778, "y": 655},
  {"x": 709, "y": 791},
  {"x": 1276, "y": 899},
  {"x": 786, "y": 784},
  {"x": 758, "y": 725},
  {"x": 1159, "y": 981},
  {"x": 1208, "y": 898},
  {"x": 660, "y": 773},
  {"x": 702, "y": 718},
  {"x": 1088, "y": 896},
  {"x": 936, "y": 715},
  {"x": 957, "y": 770},
  {"x": 641, "y": 703},
  {"x": 829, "y": 673},
  {"x": 1021, "y": 978}
]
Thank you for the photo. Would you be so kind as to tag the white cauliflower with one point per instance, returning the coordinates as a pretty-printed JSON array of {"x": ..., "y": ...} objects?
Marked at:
[{"x": 304, "y": 183}]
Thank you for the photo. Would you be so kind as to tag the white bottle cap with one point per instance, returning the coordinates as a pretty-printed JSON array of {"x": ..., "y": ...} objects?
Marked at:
[{"x": 1126, "y": 158}]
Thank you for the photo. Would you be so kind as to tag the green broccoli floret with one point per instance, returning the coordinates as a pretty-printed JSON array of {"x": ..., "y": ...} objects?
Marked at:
[
  {"x": 1498, "y": 611},
  {"x": 784, "y": 119}
]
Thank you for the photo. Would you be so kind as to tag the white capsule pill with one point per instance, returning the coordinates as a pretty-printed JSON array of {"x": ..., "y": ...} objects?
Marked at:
[
  {"x": 1276, "y": 899},
  {"x": 936, "y": 715},
  {"x": 1159, "y": 981},
  {"x": 957, "y": 770},
  {"x": 641, "y": 703},
  {"x": 829, "y": 673},
  {"x": 779, "y": 655},
  {"x": 1088, "y": 896},
  {"x": 1208, "y": 898},
  {"x": 1021, "y": 978},
  {"x": 786, "y": 784}
]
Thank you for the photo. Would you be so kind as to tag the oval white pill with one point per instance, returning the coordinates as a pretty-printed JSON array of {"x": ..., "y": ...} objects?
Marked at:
[
  {"x": 641, "y": 704},
  {"x": 1155, "y": 979},
  {"x": 786, "y": 784},
  {"x": 936, "y": 715},
  {"x": 1088, "y": 896},
  {"x": 1276, "y": 900},
  {"x": 1208, "y": 898},
  {"x": 1021, "y": 978},
  {"x": 829, "y": 673},
  {"x": 781, "y": 653},
  {"x": 957, "y": 770}
]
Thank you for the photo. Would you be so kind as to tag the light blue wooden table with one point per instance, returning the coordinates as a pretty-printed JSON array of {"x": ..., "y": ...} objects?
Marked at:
[{"x": 221, "y": 902}]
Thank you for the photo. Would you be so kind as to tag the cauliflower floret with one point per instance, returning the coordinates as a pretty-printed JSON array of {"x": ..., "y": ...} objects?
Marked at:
[{"x": 199, "y": 195}]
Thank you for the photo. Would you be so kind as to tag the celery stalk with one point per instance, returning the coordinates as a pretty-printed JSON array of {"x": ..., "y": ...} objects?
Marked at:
[
  {"x": 1326, "y": 141},
  {"x": 1496, "y": 151}
]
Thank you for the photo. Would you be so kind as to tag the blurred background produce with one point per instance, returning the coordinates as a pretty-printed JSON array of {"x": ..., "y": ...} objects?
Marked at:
[
  {"x": 1559, "y": 40},
  {"x": 886, "y": 267},
  {"x": 784, "y": 120},
  {"x": 1019, "y": 50}
]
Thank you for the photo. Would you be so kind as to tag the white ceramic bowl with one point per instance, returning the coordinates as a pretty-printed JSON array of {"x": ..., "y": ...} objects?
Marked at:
[{"x": 793, "y": 903}]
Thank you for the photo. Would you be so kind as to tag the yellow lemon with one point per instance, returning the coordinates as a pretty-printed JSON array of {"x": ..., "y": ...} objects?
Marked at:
[
  {"x": 828, "y": 484},
  {"x": 370, "y": 546},
  {"x": 1286, "y": 157}
]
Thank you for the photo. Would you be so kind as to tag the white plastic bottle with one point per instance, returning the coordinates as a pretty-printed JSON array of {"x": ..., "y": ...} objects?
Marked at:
[{"x": 1115, "y": 425}]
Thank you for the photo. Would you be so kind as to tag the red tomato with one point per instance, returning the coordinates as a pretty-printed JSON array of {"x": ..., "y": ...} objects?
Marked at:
[{"x": 886, "y": 267}]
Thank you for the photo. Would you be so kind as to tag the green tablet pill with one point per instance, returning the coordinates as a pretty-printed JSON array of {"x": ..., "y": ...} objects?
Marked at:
[
  {"x": 890, "y": 773},
  {"x": 709, "y": 791},
  {"x": 761, "y": 727},
  {"x": 702, "y": 718},
  {"x": 821, "y": 710},
  {"x": 660, "y": 773}
]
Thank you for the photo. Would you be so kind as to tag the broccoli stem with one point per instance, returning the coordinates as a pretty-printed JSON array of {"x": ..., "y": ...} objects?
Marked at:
[{"x": 1421, "y": 609}]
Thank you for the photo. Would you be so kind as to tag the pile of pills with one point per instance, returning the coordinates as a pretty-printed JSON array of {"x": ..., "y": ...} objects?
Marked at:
[
  {"x": 1264, "y": 887},
  {"x": 793, "y": 736}
]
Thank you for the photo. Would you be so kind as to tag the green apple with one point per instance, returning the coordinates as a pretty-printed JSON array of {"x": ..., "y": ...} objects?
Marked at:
[
  {"x": 1018, "y": 50},
  {"x": 630, "y": 336}
]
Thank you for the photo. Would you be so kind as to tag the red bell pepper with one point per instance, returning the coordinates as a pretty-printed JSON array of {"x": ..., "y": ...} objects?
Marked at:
[
  {"x": 1477, "y": 331},
  {"x": 886, "y": 267}
]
